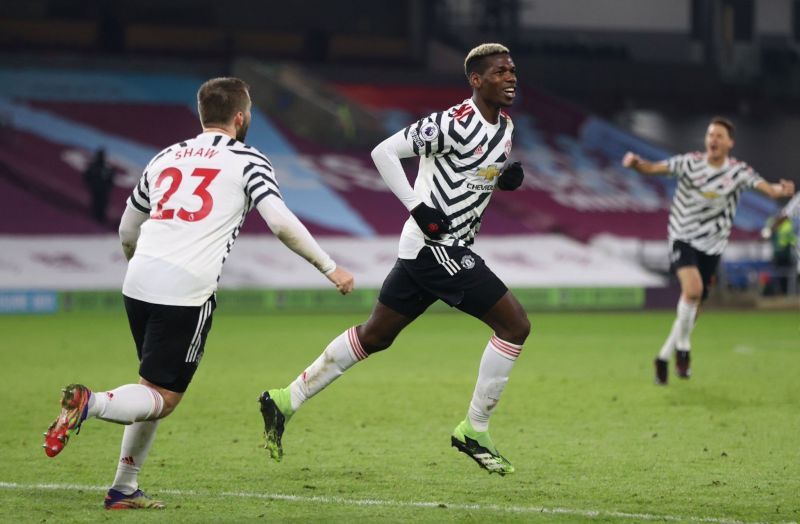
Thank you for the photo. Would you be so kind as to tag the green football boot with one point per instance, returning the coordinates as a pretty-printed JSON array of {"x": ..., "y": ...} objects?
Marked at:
[
  {"x": 479, "y": 447},
  {"x": 276, "y": 409}
]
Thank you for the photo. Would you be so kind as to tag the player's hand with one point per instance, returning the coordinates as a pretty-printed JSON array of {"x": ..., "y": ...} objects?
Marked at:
[
  {"x": 511, "y": 178},
  {"x": 787, "y": 187},
  {"x": 128, "y": 249},
  {"x": 631, "y": 160},
  {"x": 432, "y": 222},
  {"x": 342, "y": 279}
]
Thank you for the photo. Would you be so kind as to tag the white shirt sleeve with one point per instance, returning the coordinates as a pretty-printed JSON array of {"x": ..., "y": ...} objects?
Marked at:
[
  {"x": 677, "y": 165},
  {"x": 751, "y": 178},
  {"x": 792, "y": 209},
  {"x": 386, "y": 156},
  {"x": 288, "y": 228},
  {"x": 129, "y": 227}
]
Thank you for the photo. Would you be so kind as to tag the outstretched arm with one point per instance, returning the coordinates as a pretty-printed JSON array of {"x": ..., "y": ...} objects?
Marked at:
[
  {"x": 289, "y": 230},
  {"x": 638, "y": 164},
  {"x": 784, "y": 188},
  {"x": 129, "y": 227}
]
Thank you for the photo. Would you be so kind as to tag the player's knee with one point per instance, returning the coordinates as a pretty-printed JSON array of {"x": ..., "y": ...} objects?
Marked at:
[
  {"x": 693, "y": 295},
  {"x": 516, "y": 332},
  {"x": 170, "y": 402},
  {"x": 373, "y": 341},
  {"x": 167, "y": 409},
  {"x": 692, "y": 290},
  {"x": 375, "y": 344},
  {"x": 522, "y": 329},
  {"x": 165, "y": 412}
]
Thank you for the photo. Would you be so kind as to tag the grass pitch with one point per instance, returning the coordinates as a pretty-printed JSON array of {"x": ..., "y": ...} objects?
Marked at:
[{"x": 590, "y": 435}]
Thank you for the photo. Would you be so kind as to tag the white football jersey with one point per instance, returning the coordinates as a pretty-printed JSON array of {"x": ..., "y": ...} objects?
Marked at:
[
  {"x": 461, "y": 155},
  {"x": 705, "y": 200},
  {"x": 197, "y": 194}
]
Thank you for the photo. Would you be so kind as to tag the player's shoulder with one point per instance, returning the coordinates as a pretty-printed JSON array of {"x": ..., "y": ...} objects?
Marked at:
[
  {"x": 460, "y": 111},
  {"x": 739, "y": 164},
  {"x": 695, "y": 155},
  {"x": 166, "y": 151},
  {"x": 247, "y": 153},
  {"x": 691, "y": 159}
]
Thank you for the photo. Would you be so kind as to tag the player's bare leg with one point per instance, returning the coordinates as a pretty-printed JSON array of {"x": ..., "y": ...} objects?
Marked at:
[
  {"x": 691, "y": 297},
  {"x": 680, "y": 336},
  {"x": 511, "y": 328},
  {"x": 350, "y": 347}
]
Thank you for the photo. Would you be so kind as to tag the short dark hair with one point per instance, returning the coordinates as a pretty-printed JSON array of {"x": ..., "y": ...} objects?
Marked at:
[
  {"x": 724, "y": 122},
  {"x": 475, "y": 63},
  {"x": 219, "y": 99}
]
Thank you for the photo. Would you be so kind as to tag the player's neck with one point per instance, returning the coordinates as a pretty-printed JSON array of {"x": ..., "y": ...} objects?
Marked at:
[
  {"x": 716, "y": 162},
  {"x": 224, "y": 130},
  {"x": 489, "y": 113}
]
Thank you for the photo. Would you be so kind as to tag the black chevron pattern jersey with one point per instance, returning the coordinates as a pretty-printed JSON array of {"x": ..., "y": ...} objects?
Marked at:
[
  {"x": 705, "y": 200},
  {"x": 461, "y": 155},
  {"x": 197, "y": 194}
]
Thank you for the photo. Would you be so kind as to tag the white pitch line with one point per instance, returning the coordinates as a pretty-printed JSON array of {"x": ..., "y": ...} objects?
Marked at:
[{"x": 401, "y": 504}]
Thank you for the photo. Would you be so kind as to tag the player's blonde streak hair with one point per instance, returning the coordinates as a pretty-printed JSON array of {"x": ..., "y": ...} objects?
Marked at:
[{"x": 484, "y": 50}]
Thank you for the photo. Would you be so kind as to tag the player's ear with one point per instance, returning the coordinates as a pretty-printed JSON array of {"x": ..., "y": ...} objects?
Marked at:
[{"x": 475, "y": 80}]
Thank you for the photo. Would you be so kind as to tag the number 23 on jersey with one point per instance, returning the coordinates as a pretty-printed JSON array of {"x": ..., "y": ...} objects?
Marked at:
[{"x": 175, "y": 177}]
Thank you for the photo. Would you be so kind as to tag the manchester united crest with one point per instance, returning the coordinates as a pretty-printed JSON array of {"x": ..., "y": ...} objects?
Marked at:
[{"x": 467, "y": 262}]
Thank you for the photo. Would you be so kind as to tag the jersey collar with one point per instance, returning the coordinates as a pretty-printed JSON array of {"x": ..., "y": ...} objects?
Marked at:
[
  {"x": 478, "y": 113},
  {"x": 212, "y": 133},
  {"x": 725, "y": 164}
]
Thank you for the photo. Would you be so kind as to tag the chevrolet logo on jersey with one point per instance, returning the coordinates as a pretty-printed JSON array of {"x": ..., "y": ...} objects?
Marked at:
[
  {"x": 489, "y": 173},
  {"x": 710, "y": 194}
]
